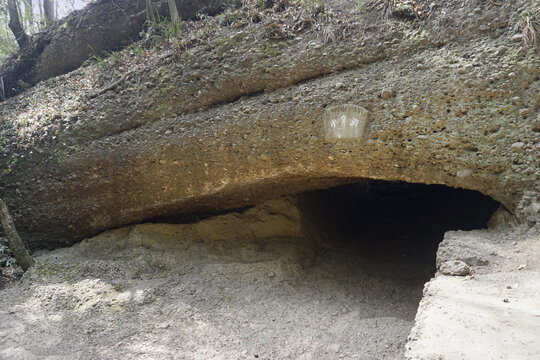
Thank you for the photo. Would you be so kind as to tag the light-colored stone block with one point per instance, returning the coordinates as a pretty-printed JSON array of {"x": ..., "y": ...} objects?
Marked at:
[{"x": 345, "y": 122}]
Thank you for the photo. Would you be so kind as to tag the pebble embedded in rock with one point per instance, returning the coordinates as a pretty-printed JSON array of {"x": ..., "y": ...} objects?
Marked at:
[
  {"x": 386, "y": 94},
  {"x": 455, "y": 268},
  {"x": 339, "y": 85},
  {"x": 501, "y": 50},
  {"x": 517, "y": 37},
  {"x": 518, "y": 146},
  {"x": 462, "y": 174},
  {"x": 515, "y": 100},
  {"x": 525, "y": 112}
]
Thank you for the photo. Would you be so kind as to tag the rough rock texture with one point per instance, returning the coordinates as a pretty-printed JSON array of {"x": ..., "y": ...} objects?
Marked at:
[
  {"x": 455, "y": 268},
  {"x": 495, "y": 313},
  {"x": 236, "y": 119}
]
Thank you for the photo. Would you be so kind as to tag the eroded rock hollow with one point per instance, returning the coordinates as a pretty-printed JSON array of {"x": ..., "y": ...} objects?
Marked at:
[{"x": 328, "y": 274}]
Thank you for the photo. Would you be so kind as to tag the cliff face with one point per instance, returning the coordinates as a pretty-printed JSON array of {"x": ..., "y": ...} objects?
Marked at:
[{"x": 232, "y": 112}]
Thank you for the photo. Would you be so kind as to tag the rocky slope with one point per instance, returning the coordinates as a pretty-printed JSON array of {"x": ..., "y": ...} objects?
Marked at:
[
  {"x": 100, "y": 28},
  {"x": 229, "y": 113}
]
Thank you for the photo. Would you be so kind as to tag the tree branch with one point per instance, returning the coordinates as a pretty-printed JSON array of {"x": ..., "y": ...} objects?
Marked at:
[{"x": 15, "y": 24}]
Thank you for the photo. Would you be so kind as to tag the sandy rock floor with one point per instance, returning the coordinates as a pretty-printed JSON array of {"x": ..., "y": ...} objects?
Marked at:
[{"x": 492, "y": 314}]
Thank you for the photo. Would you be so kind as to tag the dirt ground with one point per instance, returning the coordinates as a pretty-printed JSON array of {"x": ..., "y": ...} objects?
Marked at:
[{"x": 138, "y": 302}]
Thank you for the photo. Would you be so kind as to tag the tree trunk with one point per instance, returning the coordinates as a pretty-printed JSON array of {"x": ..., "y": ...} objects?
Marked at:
[
  {"x": 29, "y": 15},
  {"x": 15, "y": 24},
  {"x": 40, "y": 18},
  {"x": 48, "y": 10},
  {"x": 173, "y": 10},
  {"x": 150, "y": 11},
  {"x": 24, "y": 259}
]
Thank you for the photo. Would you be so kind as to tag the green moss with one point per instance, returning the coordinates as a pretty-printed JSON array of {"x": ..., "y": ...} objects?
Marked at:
[
  {"x": 116, "y": 306},
  {"x": 119, "y": 287},
  {"x": 226, "y": 44},
  {"x": 270, "y": 50},
  {"x": 140, "y": 271}
]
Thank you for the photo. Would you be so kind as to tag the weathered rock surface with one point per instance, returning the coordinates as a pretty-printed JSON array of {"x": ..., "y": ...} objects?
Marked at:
[
  {"x": 455, "y": 268},
  {"x": 236, "y": 120},
  {"x": 495, "y": 313}
]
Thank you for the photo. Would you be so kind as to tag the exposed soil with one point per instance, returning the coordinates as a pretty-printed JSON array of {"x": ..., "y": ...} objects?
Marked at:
[{"x": 210, "y": 291}]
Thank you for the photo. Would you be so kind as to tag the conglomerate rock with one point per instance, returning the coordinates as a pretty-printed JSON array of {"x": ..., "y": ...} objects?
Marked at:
[{"x": 236, "y": 119}]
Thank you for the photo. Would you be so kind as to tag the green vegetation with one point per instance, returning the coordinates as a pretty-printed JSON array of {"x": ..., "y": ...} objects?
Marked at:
[
  {"x": 6, "y": 256},
  {"x": 136, "y": 49},
  {"x": 162, "y": 30},
  {"x": 270, "y": 50},
  {"x": 14, "y": 160},
  {"x": 314, "y": 6},
  {"x": 108, "y": 58},
  {"x": 224, "y": 45},
  {"x": 228, "y": 18},
  {"x": 22, "y": 85},
  {"x": 169, "y": 29}
]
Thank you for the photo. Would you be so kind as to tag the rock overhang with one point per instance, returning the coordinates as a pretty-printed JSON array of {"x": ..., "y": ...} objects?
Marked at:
[{"x": 435, "y": 117}]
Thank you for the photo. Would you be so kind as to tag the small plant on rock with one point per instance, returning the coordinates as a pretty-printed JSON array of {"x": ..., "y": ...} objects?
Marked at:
[{"x": 530, "y": 25}]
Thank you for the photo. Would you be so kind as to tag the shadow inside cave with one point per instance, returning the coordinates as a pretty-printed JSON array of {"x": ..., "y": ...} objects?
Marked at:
[{"x": 389, "y": 220}]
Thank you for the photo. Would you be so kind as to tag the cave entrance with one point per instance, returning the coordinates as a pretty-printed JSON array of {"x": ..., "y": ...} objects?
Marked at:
[
  {"x": 386, "y": 220},
  {"x": 377, "y": 243}
]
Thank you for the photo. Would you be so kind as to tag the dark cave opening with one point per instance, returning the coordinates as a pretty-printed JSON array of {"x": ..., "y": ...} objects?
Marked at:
[
  {"x": 388, "y": 220},
  {"x": 376, "y": 245}
]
